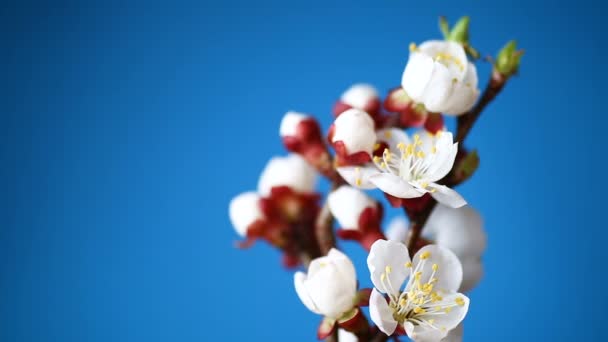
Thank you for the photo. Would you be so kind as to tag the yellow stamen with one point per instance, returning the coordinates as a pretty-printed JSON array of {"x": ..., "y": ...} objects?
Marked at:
[{"x": 425, "y": 255}]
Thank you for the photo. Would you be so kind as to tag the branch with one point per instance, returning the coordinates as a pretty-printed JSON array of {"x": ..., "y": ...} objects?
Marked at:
[{"x": 465, "y": 123}]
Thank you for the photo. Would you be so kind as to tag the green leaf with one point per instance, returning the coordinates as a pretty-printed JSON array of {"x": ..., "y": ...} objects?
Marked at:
[
  {"x": 467, "y": 166},
  {"x": 460, "y": 31},
  {"x": 508, "y": 59}
]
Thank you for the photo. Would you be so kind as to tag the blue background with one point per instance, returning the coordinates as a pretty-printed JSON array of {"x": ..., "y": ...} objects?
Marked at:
[{"x": 127, "y": 128}]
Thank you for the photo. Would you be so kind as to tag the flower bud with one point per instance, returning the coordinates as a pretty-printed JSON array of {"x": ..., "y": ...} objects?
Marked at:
[
  {"x": 244, "y": 210},
  {"x": 330, "y": 287},
  {"x": 347, "y": 204},
  {"x": 360, "y": 96},
  {"x": 353, "y": 134},
  {"x": 508, "y": 59},
  {"x": 300, "y": 132},
  {"x": 291, "y": 171}
]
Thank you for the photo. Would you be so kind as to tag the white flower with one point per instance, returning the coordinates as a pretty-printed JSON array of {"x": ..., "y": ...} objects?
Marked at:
[
  {"x": 346, "y": 205},
  {"x": 330, "y": 287},
  {"x": 439, "y": 76},
  {"x": 355, "y": 128},
  {"x": 291, "y": 171},
  {"x": 244, "y": 209},
  {"x": 360, "y": 96},
  {"x": 428, "y": 307},
  {"x": 410, "y": 169},
  {"x": 290, "y": 122},
  {"x": 460, "y": 230}
]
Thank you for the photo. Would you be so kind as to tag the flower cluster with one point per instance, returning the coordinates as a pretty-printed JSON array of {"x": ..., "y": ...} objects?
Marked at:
[{"x": 419, "y": 267}]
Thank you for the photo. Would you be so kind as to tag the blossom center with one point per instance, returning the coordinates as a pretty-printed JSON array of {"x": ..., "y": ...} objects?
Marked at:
[{"x": 412, "y": 164}]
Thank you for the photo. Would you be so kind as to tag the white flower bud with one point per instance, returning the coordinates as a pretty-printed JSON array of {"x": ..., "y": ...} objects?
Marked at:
[
  {"x": 290, "y": 122},
  {"x": 355, "y": 128},
  {"x": 244, "y": 209},
  {"x": 360, "y": 95},
  {"x": 346, "y": 205},
  {"x": 330, "y": 287},
  {"x": 439, "y": 76},
  {"x": 291, "y": 171}
]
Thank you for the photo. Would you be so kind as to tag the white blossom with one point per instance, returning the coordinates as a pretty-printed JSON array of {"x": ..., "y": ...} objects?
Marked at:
[
  {"x": 439, "y": 76},
  {"x": 244, "y": 209},
  {"x": 330, "y": 287},
  {"x": 346, "y": 205},
  {"x": 428, "y": 306},
  {"x": 291, "y": 171},
  {"x": 410, "y": 169}
]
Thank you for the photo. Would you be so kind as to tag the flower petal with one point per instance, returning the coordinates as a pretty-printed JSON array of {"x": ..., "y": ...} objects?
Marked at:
[
  {"x": 292, "y": 171},
  {"x": 459, "y": 229},
  {"x": 447, "y": 196},
  {"x": 423, "y": 333},
  {"x": 388, "y": 258},
  {"x": 394, "y": 185},
  {"x": 472, "y": 272},
  {"x": 347, "y": 203},
  {"x": 465, "y": 93},
  {"x": 417, "y": 75},
  {"x": 439, "y": 89},
  {"x": 381, "y": 314},
  {"x": 447, "y": 49},
  {"x": 244, "y": 209},
  {"x": 397, "y": 229},
  {"x": 299, "y": 279},
  {"x": 392, "y": 136},
  {"x": 345, "y": 336},
  {"x": 459, "y": 304},
  {"x": 455, "y": 335},
  {"x": 359, "y": 95},
  {"x": 345, "y": 266},
  {"x": 358, "y": 176},
  {"x": 449, "y": 268}
]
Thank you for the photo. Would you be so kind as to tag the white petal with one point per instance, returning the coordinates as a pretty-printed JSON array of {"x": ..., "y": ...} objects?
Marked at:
[
  {"x": 453, "y": 318},
  {"x": 472, "y": 272},
  {"x": 358, "y": 176},
  {"x": 455, "y": 335},
  {"x": 464, "y": 94},
  {"x": 347, "y": 203},
  {"x": 394, "y": 185},
  {"x": 388, "y": 256},
  {"x": 381, "y": 314},
  {"x": 392, "y": 136},
  {"x": 292, "y": 171},
  {"x": 441, "y": 49},
  {"x": 397, "y": 229},
  {"x": 449, "y": 270},
  {"x": 439, "y": 89},
  {"x": 345, "y": 266},
  {"x": 447, "y": 196},
  {"x": 345, "y": 336},
  {"x": 459, "y": 229},
  {"x": 243, "y": 210},
  {"x": 355, "y": 128},
  {"x": 359, "y": 95},
  {"x": 417, "y": 75},
  {"x": 422, "y": 333},
  {"x": 299, "y": 278},
  {"x": 290, "y": 122},
  {"x": 445, "y": 155}
]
